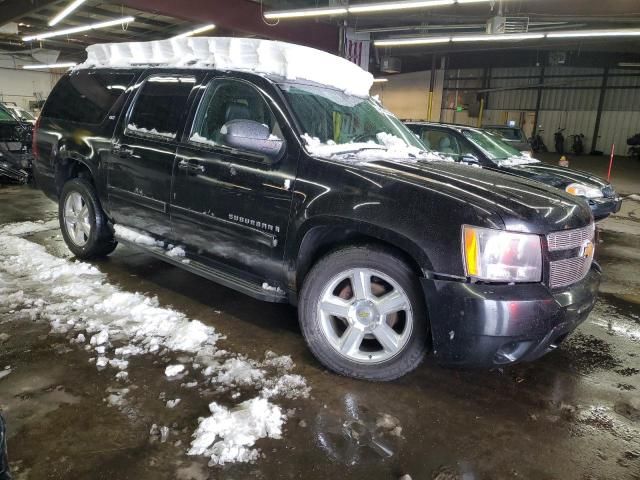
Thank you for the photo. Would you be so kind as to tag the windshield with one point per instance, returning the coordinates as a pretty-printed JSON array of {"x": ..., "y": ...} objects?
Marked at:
[
  {"x": 345, "y": 122},
  {"x": 514, "y": 134},
  {"x": 5, "y": 116},
  {"x": 497, "y": 150},
  {"x": 22, "y": 114},
  {"x": 492, "y": 146}
]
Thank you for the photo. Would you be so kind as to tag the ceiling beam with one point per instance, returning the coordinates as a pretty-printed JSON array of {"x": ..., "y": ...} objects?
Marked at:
[
  {"x": 11, "y": 10},
  {"x": 242, "y": 16}
]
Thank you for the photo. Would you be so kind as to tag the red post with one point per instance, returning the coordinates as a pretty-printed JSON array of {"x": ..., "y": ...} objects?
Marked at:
[{"x": 613, "y": 150}]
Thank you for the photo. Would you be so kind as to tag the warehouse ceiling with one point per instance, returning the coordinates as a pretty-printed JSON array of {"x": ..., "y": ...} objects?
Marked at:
[{"x": 156, "y": 19}]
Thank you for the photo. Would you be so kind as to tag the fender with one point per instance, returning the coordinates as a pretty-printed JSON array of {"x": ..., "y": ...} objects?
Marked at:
[{"x": 301, "y": 250}]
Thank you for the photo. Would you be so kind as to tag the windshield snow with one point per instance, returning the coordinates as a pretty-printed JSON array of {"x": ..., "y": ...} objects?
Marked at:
[{"x": 335, "y": 123}]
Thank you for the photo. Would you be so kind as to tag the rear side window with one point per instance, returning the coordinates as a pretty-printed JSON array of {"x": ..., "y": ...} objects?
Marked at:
[
  {"x": 159, "y": 106},
  {"x": 86, "y": 97}
]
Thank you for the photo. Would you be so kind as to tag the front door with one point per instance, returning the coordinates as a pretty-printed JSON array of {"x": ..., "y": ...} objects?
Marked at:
[
  {"x": 231, "y": 207},
  {"x": 143, "y": 151}
]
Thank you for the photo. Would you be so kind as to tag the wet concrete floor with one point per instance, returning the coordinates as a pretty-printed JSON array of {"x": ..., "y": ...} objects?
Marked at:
[{"x": 571, "y": 415}]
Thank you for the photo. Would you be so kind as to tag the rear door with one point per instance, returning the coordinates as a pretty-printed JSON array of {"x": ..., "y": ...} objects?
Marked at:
[
  {"x": 231, "y": 206},
  {"x": 143, "y": 150}
]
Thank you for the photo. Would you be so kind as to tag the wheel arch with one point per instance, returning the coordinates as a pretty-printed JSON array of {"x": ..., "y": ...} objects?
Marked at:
[
  {"x": 316, "y": 239},
  {"x": 72, "y": 165}
]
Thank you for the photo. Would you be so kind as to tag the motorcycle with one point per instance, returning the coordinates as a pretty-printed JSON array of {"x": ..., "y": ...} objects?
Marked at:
[
  {"x": 558, "y": 138},
  {"x": 577, "y": 143},
  {"x": 634, "y": 146},
  {"x": 537, "y": 144}
]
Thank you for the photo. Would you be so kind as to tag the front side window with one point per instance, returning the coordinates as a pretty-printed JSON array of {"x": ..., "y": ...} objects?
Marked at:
[
  {"x": 159, "y": 106},
  {"x": 441, "y": 141},
  {"x": 225, "y": 101}
]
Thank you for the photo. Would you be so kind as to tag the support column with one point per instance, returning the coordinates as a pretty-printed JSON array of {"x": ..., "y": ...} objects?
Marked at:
[
  {"x": 603, "y": 92},
  {"x": 538, "y": 101}
]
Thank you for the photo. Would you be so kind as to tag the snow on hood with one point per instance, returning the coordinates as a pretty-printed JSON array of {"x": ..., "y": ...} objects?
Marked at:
[
  {"x": 389, "y": 148},
  {"x": 517, "y": 160},
  {"x": 293, "y": 62}
]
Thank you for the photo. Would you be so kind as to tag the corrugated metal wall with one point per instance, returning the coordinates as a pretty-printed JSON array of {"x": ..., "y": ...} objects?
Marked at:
[{"x": 569, "y": 100}]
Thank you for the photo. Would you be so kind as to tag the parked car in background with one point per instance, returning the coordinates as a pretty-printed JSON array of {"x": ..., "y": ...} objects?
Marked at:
[
  {"x": 308, "y": 191},
  {"x": 514, "y": 136},
  {"x": 15, "y": 146},
  {"x": 488, "y": 150},
  {"x": 20, "y": 113}
]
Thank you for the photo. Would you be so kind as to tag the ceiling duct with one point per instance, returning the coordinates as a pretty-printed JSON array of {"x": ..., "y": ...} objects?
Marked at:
[
  {"x": 390, "y": 65},
  {"x": 500, "y": 24}
]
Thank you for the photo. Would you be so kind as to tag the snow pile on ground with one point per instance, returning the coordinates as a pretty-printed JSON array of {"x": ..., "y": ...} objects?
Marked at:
[
  {"x": 389, "y": 147},
  {"x": 28, "y": 227},
  {"x": 271, "y": 58},
  {"x": 228, "y": 435},
  {"x": 76, "y": 299}
]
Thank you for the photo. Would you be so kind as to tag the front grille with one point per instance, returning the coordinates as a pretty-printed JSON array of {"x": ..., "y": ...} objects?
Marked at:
[
  {"x": 569, "y": 239},
  {"x": 608, "y": 192},
  {"x": 568, "y": 271}
]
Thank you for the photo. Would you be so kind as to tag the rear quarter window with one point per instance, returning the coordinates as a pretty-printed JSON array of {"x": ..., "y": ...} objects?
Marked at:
[{"x": 86, "y": 96}]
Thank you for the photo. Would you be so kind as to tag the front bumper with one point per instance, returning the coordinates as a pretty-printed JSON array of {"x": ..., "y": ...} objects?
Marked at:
[
  {"x": 488, "y": 325},
  {"x": 603, "y": 207}
]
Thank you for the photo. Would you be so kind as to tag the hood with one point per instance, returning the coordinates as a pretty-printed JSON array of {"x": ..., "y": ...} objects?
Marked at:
[
  {"x": 555, "y": 175},
  {"x": 523, "y": 205}
]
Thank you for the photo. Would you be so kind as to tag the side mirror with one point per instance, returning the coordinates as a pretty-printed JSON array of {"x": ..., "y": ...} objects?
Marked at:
[
  {"x": 253, "y": 137},
  {"x": 469, "y": 158}
]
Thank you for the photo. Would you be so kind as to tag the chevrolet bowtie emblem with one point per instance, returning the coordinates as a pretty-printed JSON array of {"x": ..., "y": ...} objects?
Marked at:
[{"x": 587, "y": 249}]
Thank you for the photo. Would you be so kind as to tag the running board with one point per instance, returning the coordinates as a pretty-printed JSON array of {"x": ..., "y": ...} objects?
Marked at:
[{"x": 218, "y": 276}]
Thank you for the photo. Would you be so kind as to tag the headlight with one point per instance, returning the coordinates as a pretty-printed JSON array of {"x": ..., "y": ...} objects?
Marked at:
[
  {"x": 500, "y": 256},
  {"x": 586, "y": 191}
]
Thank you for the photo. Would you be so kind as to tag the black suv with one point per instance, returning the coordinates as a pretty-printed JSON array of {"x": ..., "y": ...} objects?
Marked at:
[
  {"x": 295, "y": 191},
  {"x": 489, "y": 150}
]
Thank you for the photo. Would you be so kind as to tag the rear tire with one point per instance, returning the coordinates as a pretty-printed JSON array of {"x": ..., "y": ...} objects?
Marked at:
[
  {"x": 84, "y": 225},
  {"x": 363, "y": 314}
]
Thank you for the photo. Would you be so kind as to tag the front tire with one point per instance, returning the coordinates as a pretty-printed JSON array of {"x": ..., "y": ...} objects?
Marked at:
[
  {"x": 84, "y": 225},
  {"x": 363, "y": 315}
]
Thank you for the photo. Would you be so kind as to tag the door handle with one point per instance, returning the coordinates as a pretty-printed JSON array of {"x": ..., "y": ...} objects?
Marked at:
[{"x": 191, "y": 167}]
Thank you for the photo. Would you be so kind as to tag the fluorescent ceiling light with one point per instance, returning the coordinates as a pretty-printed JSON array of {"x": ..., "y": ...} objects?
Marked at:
[
  {"x": 306, "y": 12},
  {"x": 496, "y": 37},
  {"x": 51, "y": 65},
  {"x": 401, "y": 42},
  {"x": 196, "y": 31},
  {"x": 380, "y": 80},
  {"x": 84, "y": 28},
  {"x": 389, "y": 6},
  {"x": 365, "y": 8},
  {"x": 628, "y": 32},
  {"x": 629, "y": 64},
  {"x": 66, "y": 11}
]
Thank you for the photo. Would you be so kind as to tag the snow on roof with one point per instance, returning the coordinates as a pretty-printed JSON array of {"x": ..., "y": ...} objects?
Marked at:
[{"x": 271, "y": 58}]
